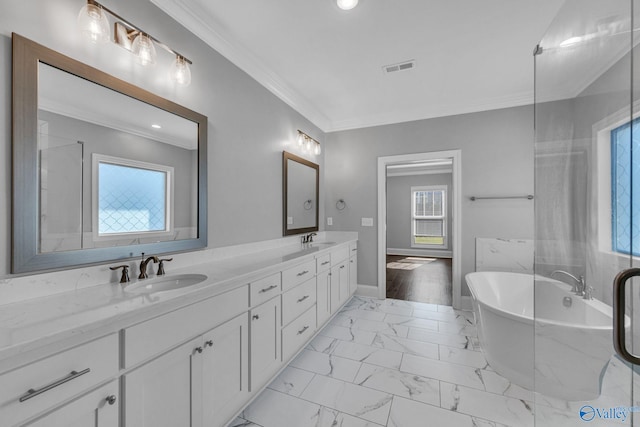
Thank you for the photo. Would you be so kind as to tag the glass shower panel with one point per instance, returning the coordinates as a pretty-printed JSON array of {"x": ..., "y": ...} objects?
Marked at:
[{"x": 584, "y": 213}]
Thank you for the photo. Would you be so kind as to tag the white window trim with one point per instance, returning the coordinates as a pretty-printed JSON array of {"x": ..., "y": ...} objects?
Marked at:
[
  {"x": 445, "y": 216},
  {"x": 602, "y": 147},
  {"x": 96, "y": 159}
]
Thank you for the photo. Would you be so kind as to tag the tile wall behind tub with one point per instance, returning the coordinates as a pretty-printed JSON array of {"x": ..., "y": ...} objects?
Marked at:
[{"x": 496, "y": 254}]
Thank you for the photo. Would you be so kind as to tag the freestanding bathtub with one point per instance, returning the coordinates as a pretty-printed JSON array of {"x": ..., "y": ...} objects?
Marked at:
[{"x": 572, "y": 336}]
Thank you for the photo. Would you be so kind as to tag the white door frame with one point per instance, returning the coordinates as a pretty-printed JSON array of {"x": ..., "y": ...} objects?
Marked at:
[{"x": 383, "y": 162}]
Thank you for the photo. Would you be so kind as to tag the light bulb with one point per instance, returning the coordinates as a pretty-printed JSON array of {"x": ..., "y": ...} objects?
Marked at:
[
  {"x": 144, "y": 49},
  {"x": 317, "y": 149},
  {"x": 180, "y": 72},
  {"x": 347, "y": 4},
  {"x": 307, "y": 145},
  {"x": 300, "y": 139},
  {"x": 93, "y": 23}
]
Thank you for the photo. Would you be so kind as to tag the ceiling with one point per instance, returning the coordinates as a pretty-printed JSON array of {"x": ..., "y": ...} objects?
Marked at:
[{"x": 328, "y": 64}]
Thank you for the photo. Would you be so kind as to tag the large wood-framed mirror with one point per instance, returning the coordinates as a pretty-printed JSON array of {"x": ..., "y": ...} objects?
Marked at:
[
  {"x": 300, "y": 194},
  {"x": 102, "y": 170}
]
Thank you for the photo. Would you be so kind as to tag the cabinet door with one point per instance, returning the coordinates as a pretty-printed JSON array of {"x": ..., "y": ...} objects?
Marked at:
[
  {"x": 353, "y": 274},
  {"x": 265, "y": 342},
  {"x": 159, "y": 393},
  {"x": 225, "y": 366},
  {"x": 96, "y": 409},
  {"x": 334, "y": 280},
  {"x": 323, "y": 296},
  {"x": 343, "y": 271}
]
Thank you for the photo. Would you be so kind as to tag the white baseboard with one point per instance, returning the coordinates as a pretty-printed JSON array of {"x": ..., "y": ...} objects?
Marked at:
[
  {"x": 367, "y": 291},
  {"x": 420, "y": 252}
]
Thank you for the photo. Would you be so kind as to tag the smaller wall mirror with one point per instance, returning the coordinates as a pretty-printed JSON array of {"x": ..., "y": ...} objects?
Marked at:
[{"x": 300, "y": 194}]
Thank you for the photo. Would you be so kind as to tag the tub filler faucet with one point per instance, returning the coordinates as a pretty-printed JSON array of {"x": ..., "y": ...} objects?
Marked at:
[{"x": 579, "y": 287}]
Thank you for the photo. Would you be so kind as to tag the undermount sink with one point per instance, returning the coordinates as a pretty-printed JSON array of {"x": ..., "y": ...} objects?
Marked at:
[
  {"x": 321, "y": 244},
  {"x": 163, "y": 284}
]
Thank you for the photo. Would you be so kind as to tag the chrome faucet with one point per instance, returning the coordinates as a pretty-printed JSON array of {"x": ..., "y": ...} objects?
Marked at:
[
  {"x": 308, "y": 238},
  {"x": 143, "y": 265},
  {"x": 579, "y": 286}
]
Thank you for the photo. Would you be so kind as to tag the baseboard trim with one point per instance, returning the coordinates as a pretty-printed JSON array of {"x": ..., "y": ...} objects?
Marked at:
[
  {"x": 367, "y": 291},
  {"x": 420, "y": 252}
]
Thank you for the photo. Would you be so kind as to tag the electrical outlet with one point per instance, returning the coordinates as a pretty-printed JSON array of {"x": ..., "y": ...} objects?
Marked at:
[
  {"x": 329, "y": 220},
  {"x": 289, "y": 220},
  {"x": 367, "y": 222}
]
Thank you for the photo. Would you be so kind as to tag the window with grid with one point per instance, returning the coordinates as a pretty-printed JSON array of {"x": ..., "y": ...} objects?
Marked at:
[
  {"x": 625, "y": 184},
  {"x": 133, "y": 198},
  {"x": 429, "y": 216}
]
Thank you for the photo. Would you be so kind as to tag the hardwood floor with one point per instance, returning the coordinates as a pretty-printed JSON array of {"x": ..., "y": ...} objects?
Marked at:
[{"x": 419, "y": 279}]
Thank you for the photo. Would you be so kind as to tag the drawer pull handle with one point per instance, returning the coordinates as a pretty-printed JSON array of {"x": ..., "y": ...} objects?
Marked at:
[
  {"x": 325, "y": 263},
  {"x": 303, "y": 298},
  {"x": 342, "y": 266},
  {"x": 302, "y": 273},
  {"x": 208, "y": 344},
  {"x": 72, "y": 376},
  {"x": 302, "y": 330},
  {"x": 111, "y": 399},
  {"x": 267, "y": 289},
  {"x": 354, "y": 249},
  {"x": 255, "y": 317},
  {"x": 198, "y": 349}
]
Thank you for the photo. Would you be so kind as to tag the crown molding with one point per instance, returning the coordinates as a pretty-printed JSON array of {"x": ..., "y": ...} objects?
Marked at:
[{"x": 198, "y": 21}]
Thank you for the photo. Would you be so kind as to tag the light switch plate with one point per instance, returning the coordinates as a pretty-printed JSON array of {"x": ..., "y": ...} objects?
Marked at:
[
  {"x": 367, "y": 222},
  {"x": 329, "y": 220},
  {"x": 289, "y": 220}
]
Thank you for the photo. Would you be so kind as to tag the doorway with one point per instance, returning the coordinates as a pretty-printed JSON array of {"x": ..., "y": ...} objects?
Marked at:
[{"x": 418, "y": 227}]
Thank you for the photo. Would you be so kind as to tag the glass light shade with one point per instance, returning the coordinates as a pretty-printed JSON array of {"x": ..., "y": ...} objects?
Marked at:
[
  {"x": 347, "y": 4},
  {"x": 94, "y": 24},
  {"x": 300, "y": 139},
  {"x": 143, "y": 48},
  {"x": 317, "y": 150},
  {"x": 307, "y": 145},
  {"x": 180, "y": 72}
]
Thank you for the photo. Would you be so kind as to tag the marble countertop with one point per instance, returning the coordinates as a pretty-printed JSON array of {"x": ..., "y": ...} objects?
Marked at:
[{"x": 69, "y": 318}]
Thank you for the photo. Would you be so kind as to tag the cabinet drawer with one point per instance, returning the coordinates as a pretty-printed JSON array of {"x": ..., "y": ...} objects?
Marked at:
[
  {"x": 353, "y": 249},
  {"x": 323, "y": 263},
  {"x": 264, "y": 289},
  {"x": 157, "y": 335},
  {"x": 298, "y": 332},
  {"x": 339, "y": 254},
  {"x": 297, "y": 300},
  {"x": 298, "y": 274},
  {"x": 44, "y": 384}
]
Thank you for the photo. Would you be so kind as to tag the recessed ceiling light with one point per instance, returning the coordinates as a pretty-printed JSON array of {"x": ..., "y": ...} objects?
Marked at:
[
  {"x": 347, "y": 4},
  {"x": 156, "y": 126}
]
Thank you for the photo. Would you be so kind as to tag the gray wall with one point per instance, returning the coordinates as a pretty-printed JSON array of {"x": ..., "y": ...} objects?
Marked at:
[
  {"x": 248, "y": 126},
  {"x": 399, "y": 207},
  {"x": 497, "y": 159}
]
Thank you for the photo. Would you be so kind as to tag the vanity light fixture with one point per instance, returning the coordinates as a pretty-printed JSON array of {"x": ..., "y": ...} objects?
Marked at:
[
  {"x": 94, "y": 24},
  {"x": 347, "y": 4},
  {"x": 308, "y": 144}
]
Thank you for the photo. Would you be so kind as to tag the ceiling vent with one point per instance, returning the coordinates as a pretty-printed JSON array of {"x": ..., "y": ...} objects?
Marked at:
[{"x": 406, "y": 65}]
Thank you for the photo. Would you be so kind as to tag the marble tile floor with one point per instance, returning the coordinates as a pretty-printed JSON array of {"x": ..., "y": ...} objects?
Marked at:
[{"x": 399, "y": 364}]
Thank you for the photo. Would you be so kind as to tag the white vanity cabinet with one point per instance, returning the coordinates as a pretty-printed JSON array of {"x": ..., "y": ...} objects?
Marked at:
[
  {"x": 193, "y": 364},
  {"x": 99, "y": 408},
  {"x": 266, "y": 356},
  {"x": 200, "y": 383},
  {"x": 323, "y": 289},
  {"x": 353, "y": 267},
  {"x": 50, "y": 382}
]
